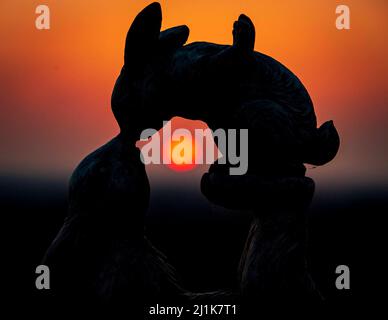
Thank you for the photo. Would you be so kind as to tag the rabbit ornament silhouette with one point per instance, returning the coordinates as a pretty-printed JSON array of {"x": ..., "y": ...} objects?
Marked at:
[{"x": 102, "y": 251}]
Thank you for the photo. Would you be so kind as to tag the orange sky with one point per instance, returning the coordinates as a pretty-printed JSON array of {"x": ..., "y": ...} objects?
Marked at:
[{"x": 55, "y": 85}]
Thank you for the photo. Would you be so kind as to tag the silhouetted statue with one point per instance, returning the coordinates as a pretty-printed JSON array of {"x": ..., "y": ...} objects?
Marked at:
[{"x": 227, "y": 86}]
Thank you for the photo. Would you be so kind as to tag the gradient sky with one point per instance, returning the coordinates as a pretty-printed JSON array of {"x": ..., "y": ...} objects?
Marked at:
[{"x": 55, "y": 85}]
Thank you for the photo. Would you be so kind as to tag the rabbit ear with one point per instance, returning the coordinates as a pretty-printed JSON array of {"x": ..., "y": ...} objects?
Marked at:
[
  {"x": 244, "y": 33},
  {"x": 143, "y": 35},
  {"x": 173, "y": 38},
  {"x": 325, "y": 146}
]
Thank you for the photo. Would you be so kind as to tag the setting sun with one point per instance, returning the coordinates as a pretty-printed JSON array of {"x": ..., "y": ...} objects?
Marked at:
[
  {"x": 182, "y": 154},
  {"x": 181, "y": 145}
]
